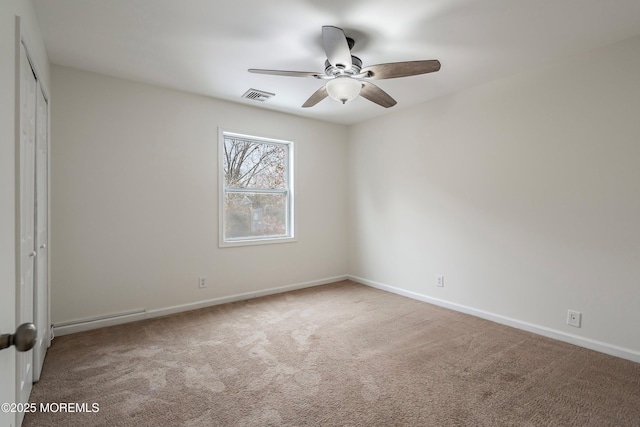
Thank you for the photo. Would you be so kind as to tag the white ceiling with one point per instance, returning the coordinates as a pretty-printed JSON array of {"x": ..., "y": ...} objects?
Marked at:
[{"x": 206, "y": 46}]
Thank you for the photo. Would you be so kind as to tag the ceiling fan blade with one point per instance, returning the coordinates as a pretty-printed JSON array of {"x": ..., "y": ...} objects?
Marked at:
[
  {"x": 374, "y": 94},
  {"x": 401, "y": 69},
  {"x": 336, "y": 47},
  {"x": 286, "y": 73},
  {"x": 317, "y": 96}
]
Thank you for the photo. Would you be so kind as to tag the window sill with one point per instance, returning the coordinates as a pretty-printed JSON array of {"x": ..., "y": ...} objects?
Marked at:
[{"x": 255, "y": 242}]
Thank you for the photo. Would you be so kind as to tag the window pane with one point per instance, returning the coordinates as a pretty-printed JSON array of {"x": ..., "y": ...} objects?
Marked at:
[
  {"x": 249, "y": 164},
  {"x": 255, "y": 215}
]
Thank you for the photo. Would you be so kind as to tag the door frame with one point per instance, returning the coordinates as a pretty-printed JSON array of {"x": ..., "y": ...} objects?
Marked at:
[{"x": 22, "y": 42}]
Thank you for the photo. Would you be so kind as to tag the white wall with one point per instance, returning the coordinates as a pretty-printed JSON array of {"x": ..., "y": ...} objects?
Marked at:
[
  {"x": 135, "y": 199},
  {"x": 8, "y": 11},
  {"x": 524, "y": 193}
]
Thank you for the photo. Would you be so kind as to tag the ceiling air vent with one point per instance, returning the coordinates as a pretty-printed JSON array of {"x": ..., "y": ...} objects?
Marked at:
[{"x": 258, "y": 95}]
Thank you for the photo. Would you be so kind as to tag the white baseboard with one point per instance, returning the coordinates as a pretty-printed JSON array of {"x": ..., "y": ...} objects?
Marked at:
[
  {"x": 88, "y": 324},
  {"x": 602, "y": 347}
]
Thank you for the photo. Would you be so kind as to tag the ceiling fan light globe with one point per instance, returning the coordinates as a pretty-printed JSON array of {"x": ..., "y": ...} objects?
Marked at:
[{"x": 343, "y": 89}]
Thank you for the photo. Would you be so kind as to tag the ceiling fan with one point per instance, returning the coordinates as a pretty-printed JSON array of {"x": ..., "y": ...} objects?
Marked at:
[{"x": 346, "y": 79}]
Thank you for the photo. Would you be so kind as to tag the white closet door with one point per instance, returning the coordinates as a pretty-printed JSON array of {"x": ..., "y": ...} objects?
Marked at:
[
  {"x": 27, "y": 151},
  {"x": 41, "y": 291}
]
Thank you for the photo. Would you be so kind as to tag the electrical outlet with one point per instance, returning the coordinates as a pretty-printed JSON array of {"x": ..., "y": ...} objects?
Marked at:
[
  {"x": 202, "y": 282},
  {"x": 440, "y": 281},
  {"x": 574, "y": 318}
]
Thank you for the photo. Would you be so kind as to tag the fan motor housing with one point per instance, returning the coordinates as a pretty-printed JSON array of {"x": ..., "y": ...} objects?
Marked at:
[{"x": 356, "y": 66}]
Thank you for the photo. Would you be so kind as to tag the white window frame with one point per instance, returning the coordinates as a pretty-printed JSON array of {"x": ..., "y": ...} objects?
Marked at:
[{"x": 233, "y": 242}]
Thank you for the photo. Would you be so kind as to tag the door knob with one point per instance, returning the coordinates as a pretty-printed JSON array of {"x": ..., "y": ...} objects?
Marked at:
[
  {"x": 43, "y": 246},
  {"x": 33, "y": 254},
  {"x": 24, "y": 339}
]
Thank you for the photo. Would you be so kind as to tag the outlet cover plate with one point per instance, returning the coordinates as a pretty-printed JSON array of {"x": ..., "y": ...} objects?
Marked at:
[
  {"x": 574, "y": 318},
  {"x": 440, "y": 281}
]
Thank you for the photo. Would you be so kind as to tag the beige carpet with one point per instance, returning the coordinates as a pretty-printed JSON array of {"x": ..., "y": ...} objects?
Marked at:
[{"x": 336, "y": 355}]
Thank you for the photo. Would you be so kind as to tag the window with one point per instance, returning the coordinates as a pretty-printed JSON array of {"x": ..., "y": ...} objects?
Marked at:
[{"x": 256, "y": 195}]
